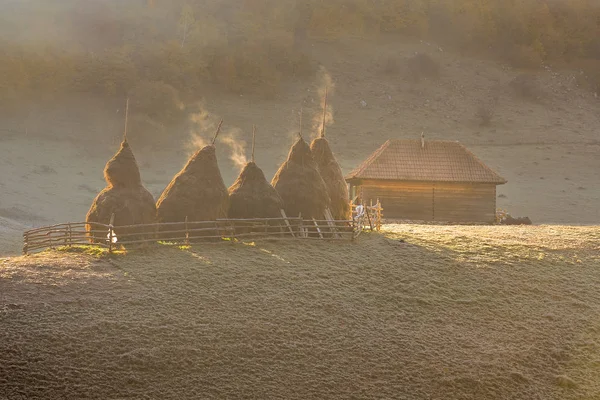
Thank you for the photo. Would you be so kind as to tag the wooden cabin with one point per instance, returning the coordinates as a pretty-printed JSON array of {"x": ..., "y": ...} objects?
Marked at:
[{"x": 431, "y": 180}]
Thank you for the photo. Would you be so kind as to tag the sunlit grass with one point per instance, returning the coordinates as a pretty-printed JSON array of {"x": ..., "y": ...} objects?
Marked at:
[
  {"x": 571, "y": 245},
  {"x": 446, "y": 312},
  {"x": 91, "y": 250}
]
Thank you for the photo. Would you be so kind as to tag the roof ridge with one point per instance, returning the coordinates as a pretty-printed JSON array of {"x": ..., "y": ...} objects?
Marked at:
[
  {"x": 361, "y": 168},
  {"x": 442, "y": 160},
  {"x": 500, "y": 178}
]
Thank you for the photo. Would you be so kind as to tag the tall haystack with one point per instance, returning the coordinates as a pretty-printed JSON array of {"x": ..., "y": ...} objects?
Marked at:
[
  {"x": 252, "y": 196},
  {"x": 334, "y": 179},
  {"x": 300, "y": 184},
  {"x": 125, "y": 197},
  {"x": 196, "y": 192}
]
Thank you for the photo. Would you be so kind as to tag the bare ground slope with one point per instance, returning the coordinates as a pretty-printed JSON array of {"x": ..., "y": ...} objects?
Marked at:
[{"x": 464, "y": 312}]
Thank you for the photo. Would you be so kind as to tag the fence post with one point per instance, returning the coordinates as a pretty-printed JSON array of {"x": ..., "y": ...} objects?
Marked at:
[
  {"x": 25, "y": 243},
  {"x": 302, "y": 232},
  {"x": 433, "y": 204},
  {"x": 110, "y": 232},
  {"x": 285, "y": 219},
  {"x": 69, "y": 238},
  {"x": 318, "y": 229},
  {"x": 369, "y": 218},
  {"x": 378, "y": 224},
  {"x": 187, "y": 232}
]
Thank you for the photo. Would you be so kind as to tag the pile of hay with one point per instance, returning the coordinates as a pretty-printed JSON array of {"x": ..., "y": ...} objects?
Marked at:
[
  {"x": 300, "y": 184},
  {"x": 332, "y": 176},
  {"x": 125, "y": 197},
  {"x": 196, "y": 192},
  {"x": 251, "y": 195}
]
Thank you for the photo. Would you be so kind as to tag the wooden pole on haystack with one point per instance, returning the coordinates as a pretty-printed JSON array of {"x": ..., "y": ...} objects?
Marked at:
[
  {"x": 301, "y": 113},
  {"x": 253, "y": 141},
  {"x": 126, "y": 119},
  {"x": 324, "y": 114},
  {"x": 217, "y": 133}
]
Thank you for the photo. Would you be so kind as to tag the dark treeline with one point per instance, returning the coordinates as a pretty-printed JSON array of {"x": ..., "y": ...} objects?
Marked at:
[{"x": 168, "y": 49}]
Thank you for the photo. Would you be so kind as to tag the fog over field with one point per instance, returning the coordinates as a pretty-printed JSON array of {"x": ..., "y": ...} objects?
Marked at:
[{"x": 415, "y": 311}]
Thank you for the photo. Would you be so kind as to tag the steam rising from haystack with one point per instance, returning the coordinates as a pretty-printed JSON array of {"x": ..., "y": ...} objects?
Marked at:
[
  {"x": 237, "y": 147},
  {"x": 328, "y": 166},
  {"x": 203, "y": 124},
  {"x": 324, "y": 117}
]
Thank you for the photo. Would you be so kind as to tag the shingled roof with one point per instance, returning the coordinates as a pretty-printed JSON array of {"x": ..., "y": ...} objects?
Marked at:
[{"x": 437, "y": 161}]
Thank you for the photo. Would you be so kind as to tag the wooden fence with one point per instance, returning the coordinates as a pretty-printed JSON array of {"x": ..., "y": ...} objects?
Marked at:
[
  {"x": 371, "y": 217},
  {"x": 112, "y": 237}
]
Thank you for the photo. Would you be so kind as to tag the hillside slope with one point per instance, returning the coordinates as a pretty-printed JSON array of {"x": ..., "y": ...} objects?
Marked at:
[
  {"x": 542, "y": 137},
  {"x": 469, "y": 313}
]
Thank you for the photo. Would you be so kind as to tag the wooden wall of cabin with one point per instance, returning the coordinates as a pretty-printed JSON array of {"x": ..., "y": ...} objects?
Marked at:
[{"x": 430, "y": 201}]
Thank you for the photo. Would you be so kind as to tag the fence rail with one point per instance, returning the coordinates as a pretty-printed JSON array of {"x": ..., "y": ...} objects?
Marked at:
[{"x": 187, "y": 232}]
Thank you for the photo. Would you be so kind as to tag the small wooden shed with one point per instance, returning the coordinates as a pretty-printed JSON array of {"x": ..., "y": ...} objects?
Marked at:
[{"x": 431, "y": 180}]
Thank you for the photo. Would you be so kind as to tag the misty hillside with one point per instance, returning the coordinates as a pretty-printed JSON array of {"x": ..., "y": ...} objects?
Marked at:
[{"x": 110, "y": 47}]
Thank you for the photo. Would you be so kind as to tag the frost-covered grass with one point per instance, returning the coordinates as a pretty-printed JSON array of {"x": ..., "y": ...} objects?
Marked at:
[{"x": 416, "y": 312}]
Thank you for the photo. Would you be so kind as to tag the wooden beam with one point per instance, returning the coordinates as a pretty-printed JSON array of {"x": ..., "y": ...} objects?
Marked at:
[
  {"x": 301, "y": 115},
  {"x": 217, "y": 133},
  {"x": 318, "y": 229},
  {"x": 253, "y": 141},
  {"x": 287, "y": 222},
  {"x": 369, "y": 217},
  {"x": 324, "y": 113},
  {"x": 331, "y": 222},
  {"x": 126, "y": 119}
]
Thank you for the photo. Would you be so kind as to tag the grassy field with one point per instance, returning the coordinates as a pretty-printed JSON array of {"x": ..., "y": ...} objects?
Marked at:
[{"x": 418, "y": 312}]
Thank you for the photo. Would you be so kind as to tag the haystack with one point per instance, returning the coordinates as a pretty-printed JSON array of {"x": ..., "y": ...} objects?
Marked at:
[
  {"x": 125, "y": 197},
  {"x": 196, "y": 192},
  {"x": 334, "y": 179},
  {"x": 251, "y": 195},
  {"x": 300, "y": 185}
]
